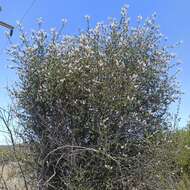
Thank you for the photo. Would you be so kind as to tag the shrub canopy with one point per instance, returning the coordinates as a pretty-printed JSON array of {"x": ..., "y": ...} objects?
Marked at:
[{"x": 92, "y": 103}]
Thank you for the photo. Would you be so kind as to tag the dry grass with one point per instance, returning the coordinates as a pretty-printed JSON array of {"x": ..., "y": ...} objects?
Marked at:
[
  {"x": 10, "y": 177},
  {"x": 10, "y": 174}
]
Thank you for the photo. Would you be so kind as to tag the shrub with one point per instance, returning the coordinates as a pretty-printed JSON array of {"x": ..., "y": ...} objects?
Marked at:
[{"x": 92, "y": 103}]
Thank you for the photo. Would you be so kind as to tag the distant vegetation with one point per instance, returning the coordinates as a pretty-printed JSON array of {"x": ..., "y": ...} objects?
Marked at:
[{"x": 93, "y": 110}]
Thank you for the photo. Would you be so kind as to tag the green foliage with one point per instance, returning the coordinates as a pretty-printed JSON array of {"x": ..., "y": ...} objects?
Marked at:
[
  {"x": 94, "y": 103},
  {"x": 178, "y": 149},
  {"x": 184, "y": 183},
  {"x": 182, "y": 148},
  {"x": 183, "y": 158}
]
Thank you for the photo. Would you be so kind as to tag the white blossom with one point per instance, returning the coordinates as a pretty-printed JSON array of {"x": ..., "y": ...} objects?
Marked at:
[
  {"x": 40, "y": 20},
  {"x": 124, "y": 10},
  {"x": 87, "y": 17},
  {"x": 64, "y": 21},
  {"x": 139, "y": 18}
]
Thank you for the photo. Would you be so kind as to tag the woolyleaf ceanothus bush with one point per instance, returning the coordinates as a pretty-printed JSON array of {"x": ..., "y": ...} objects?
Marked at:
[{"x": 92, "y": 103}]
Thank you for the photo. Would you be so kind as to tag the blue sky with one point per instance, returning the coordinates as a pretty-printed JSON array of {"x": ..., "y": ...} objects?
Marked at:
[{"x": 173, "y": 18}]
